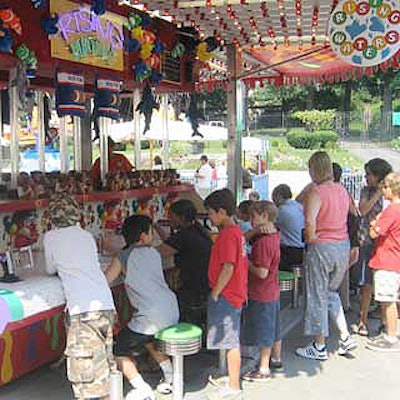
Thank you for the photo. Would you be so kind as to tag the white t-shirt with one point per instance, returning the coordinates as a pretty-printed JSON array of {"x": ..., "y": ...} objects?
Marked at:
[
  {"x": 155, "y": 303},
  {"x": 72, "y": 253},
  {"x": 205, "y": 182}
]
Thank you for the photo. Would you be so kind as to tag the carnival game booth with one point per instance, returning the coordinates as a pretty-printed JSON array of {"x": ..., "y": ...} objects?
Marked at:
[{"x": 72, "y": 51}]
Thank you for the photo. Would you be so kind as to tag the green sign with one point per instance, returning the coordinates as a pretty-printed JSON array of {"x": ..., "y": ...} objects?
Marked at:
[{"x": 396, "y": 118}]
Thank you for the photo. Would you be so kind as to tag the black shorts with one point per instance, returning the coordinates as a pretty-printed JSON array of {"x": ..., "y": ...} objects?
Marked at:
[
  {"x": 361, "y": 273},
  {"x": 128, "y": 342}
]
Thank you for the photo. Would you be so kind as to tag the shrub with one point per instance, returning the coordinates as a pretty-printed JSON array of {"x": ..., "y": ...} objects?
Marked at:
[
  {"x": 316, "y": 119},
  {"x": 301, "y": 139},
  {"x": 395, "y": 143},
  {"x": 275, "y": 143},
  {"x": 178, "y": 148}
]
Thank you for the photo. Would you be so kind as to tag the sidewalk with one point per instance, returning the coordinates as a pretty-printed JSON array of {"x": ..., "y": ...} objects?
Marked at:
[{"x": 366, "y": 376}]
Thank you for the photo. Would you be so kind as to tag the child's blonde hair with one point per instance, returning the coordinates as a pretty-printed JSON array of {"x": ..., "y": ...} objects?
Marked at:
[
  {"x": 393, "y": 181},
  {"x": 265, "y": 207}
]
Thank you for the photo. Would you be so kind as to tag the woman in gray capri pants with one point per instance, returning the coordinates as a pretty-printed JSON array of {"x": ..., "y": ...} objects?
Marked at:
[{"x": 327, "y": 257}]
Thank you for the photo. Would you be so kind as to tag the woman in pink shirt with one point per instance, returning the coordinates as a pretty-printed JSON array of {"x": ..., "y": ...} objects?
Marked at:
[{"x": 326, "y": 208}]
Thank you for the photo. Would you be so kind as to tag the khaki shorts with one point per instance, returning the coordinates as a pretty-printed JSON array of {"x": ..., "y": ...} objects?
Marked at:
[
  {"x": 89, "y": 353},
  {"x": 387, "y": 286}
]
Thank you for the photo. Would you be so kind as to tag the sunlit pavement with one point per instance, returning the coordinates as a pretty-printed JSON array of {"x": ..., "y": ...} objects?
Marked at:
[{"x": 363, "y": 376}]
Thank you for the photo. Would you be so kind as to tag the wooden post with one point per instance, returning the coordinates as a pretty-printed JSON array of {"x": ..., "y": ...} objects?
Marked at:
[
  {"x": 165, "y": 141},
  {"x": 15, "y": 128},
  {"x": 41, "y": 131},
  {"x": 136, "y": 121}
]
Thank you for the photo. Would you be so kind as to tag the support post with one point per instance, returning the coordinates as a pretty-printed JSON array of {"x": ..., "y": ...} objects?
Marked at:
[
  {"x": 86, "y": 138},
  {"x": 235, "y": 122},
  {"x": 104, "y": 124},
  {"x": 77, "y": 144},
  {"x": 165, "y": 142},
  {"x": 41, "y": 132},
  {"x": 136, "y": 122},
  {"x": 15, "y": 128},
  {"x": 177, "y": 382},
  {"x": 1, "y": 136},
  {"x": 63, "y": 145}
]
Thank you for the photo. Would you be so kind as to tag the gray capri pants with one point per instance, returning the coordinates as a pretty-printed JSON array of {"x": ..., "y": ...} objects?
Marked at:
[{"x": 325, "y": 265}]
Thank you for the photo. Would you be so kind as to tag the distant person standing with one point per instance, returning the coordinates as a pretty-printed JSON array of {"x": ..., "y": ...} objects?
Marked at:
[
  {"x": 203, "y": 177},
  {"x": 157, "y": 163}
]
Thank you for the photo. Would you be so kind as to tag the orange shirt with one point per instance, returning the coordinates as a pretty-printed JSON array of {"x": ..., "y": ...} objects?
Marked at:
[{"x": 117, "y": 162}]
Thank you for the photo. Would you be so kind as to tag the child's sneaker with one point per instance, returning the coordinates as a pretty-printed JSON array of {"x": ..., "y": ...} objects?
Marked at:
[
  {"x": 257, "y": 376},
  {"x": 385, "y": 344},
  {"x": 312, "y": 353},
  {"x": 164, "y": 387},
  {"x": 347, "y": 345},
  {"x": 142, "y": 393}
]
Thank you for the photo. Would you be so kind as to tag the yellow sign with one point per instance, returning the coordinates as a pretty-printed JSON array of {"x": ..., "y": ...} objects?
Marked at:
[{"x": 87, "y": 38}]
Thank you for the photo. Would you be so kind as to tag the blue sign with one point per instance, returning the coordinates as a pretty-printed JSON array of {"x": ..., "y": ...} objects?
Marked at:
[{"x": 396, "y": 118}]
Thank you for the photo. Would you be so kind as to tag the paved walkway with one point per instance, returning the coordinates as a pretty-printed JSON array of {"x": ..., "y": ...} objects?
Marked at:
[{"x": 366, "y": 376}]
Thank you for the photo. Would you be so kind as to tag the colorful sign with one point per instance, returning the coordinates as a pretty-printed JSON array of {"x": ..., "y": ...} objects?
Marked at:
[
  {"x": 365, "y": 33},
  {"x": 106, "y": 98},
  {"x": 86, "y": 37},
  {"x": 70, "y": 96}
]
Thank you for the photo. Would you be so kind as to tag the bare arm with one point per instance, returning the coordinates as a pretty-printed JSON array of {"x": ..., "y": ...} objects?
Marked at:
[
  {"x": 366, "y": 205},
  {"x": 312, "y": 206},
  {"x": 223, "y": 279},
  {"x": 301, "y": 197},
  {"x": 161, "y": 232},
  {"x": 166, "y": 251},
  {"x": 260, "y": 272},
  {"x": 114, "y": 270}
]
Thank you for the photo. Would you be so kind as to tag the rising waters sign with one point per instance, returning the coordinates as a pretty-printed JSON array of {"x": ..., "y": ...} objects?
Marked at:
[{"x": 87, "y": 38}]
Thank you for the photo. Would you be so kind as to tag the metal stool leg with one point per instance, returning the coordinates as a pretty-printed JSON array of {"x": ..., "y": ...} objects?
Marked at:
[
  {"x": 223, "y": 370},
  {"x": 116, "y": 385},
  {"x": 177, "y": 383},
  {"x": 295, "y": 292}
]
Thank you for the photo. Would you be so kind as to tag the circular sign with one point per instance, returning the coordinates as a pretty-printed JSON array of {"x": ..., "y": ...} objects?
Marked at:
[{"x": 365, "y": 32}]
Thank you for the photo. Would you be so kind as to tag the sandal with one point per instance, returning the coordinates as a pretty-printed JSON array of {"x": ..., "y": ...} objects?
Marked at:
[
  {"x": 256, "y": 376},
  {"x": 360, "y": 329}
]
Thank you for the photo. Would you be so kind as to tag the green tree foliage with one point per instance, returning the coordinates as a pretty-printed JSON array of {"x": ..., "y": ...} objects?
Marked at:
[{"x": 301, "y": 139}]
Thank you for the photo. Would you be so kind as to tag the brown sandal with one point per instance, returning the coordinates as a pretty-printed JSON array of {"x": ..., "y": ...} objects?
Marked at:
[{"x": 256, "y": 376}]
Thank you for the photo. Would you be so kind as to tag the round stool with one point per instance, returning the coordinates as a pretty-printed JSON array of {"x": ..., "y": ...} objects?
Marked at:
[{"x": 178, "y": 341}]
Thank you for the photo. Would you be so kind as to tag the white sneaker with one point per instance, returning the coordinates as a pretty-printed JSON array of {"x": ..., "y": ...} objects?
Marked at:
[
  {"x": 164, "y": 387},
  {"x": 143, "y": 393},
  {"x": 311, "y": 352},
  {"x": 345, "y": 346},
  {"x": 224, "y": 392}
]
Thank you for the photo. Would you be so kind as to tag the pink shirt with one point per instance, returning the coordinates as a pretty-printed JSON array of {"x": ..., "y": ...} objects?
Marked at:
[{"x": 332, "y": 216}]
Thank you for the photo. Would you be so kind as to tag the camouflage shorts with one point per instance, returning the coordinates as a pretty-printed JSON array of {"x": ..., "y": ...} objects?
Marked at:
[{"x": 89, "y": 353}]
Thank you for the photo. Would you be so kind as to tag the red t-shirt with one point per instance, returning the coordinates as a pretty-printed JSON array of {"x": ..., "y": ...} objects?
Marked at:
[
  {"x": 387, "y": 245},
  {"x": 116, "y": 163},
  {"x": 230, "y": 247},
  {"x": 265, "y": 253}
]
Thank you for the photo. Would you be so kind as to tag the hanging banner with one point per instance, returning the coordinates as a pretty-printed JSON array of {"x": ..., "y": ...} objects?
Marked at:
[
  {"x": 106, "y": 99},
  {"x": 86, "y": 37},
  {"x": 70, "y": 96},
  {"x": 365, "y": 33}
]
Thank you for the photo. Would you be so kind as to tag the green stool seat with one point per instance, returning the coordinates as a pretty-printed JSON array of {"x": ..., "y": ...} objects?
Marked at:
[
  {"x": 178, "y": 341},
  {"x": 286, "y": 276},
  {"x": 288, "y": 282},
  {"x": 179, "y": 332}
]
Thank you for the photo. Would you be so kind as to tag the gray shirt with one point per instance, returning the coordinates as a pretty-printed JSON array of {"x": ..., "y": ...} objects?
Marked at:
[
  {"x": 291, "y": 223},
  {"x": 156, "y": 306}
]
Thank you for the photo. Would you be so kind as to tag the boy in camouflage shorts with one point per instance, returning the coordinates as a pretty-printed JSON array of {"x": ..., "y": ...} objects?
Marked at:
[{"x": 71, "y": 252}]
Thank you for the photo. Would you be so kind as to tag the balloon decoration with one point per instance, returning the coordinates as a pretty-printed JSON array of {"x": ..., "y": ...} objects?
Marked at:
[
  {"x": 50, "y": 24},
  {"x": 202, "y": 53},
  {"x": 99, "y": 7},
  {"x": 194, "y": 115},
  {"x": 28, "y": 59},
  {"x": 107, "y": 98},
  {"x": 70, "y": 96},
  {"x": 149, "y": 47},
  {"x": 39, "y": 3},
  {"x": 146, "y": 106},
  {"x": 11, "y": 21},
  {"x": 6, "y": 40}
]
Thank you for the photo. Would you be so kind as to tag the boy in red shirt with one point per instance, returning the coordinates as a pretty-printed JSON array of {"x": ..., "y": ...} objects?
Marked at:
[
  {"x": 227, "y": 277},
  {"x": 386, "y": 263},
  {"x": 261, "y": 322}
]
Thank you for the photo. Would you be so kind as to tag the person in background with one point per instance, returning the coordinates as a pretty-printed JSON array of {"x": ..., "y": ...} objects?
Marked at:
[
  {"x": 385, "y": 262},
  {"x": 116, "y": 163},
  {"x": 370, "y": 206},
  {"x": 254, "y": 196},
  {"x": 203, "y": 177},
  {"x": 214, "y": 175},
  {"x": 247, "y": 183},
  {"x": 326, "y": 259},
  {"x": 71, "y": 253},
  {"x": 290, "y": 223},
  {"x": 157, "y": 163},
  {"x": 261, "y": 316},
  {"x": 243, "y": 220},
  {"x": 227, "y": 276},
  {"x": 190, "y": 244},
  {"x": 155, "y": 305}
]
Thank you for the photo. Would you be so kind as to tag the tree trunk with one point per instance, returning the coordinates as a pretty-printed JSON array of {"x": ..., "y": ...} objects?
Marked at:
[
  {"x": 346, "y": 107},
  {"x": 386, "y": 109}
]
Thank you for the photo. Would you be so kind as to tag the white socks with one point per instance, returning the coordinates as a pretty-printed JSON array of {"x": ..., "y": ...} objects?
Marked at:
[
  {"x": 166, "y": 367},
  {"x": 138, "y": 382}
]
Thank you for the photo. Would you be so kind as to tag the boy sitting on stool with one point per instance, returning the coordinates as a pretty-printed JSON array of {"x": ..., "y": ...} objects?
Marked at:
[{"x": 156, "y": 306}]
